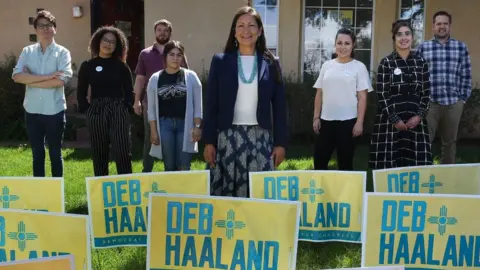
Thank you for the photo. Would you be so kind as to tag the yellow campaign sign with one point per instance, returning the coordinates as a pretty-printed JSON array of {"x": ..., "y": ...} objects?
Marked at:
[
  {"x": 210, "y": 232},
  {"x": 436, "y": 179},
  {"x": 331, "y": 201},
  {"x": 26, "y": 235},
  {"x": 118, "y": 204},
  {"x": 64, "y": 262},
  {"x": 421, "y": 231},
  {"x": 32, "y": 193}
]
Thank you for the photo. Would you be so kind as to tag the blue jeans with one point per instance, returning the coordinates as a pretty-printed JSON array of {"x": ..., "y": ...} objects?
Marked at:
[
  {"x": 42, "y": 127},
  {"x": 171, "y": 136}
]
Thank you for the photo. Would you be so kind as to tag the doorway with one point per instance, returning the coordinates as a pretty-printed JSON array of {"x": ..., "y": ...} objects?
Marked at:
[{"x": 128, "y": 15}]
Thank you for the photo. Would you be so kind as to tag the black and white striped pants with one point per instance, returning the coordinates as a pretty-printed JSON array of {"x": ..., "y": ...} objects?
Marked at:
[{"x": 108, "y": 121}]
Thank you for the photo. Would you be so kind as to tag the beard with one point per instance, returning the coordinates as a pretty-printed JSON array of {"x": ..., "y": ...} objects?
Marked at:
[
  {"x": 162, "y": 41},
  {"x": 443, "y": 34}
]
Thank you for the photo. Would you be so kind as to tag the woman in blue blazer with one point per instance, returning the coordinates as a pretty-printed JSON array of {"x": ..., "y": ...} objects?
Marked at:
[{"x": 244, "y": 86}]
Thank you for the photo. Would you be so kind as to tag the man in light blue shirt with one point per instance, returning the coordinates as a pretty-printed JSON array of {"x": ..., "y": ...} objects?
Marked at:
[{"x": 45, "y": 68}]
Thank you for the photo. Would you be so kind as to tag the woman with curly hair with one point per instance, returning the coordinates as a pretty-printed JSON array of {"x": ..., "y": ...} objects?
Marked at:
[{"x": 105, "y": 94}]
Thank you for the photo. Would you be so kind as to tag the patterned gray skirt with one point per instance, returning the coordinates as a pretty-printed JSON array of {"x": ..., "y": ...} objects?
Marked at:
[{"x": 240, "y": 150}]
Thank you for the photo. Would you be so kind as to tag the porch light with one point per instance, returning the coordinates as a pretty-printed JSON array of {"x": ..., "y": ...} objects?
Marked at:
[{"x": 77, "y": 12}]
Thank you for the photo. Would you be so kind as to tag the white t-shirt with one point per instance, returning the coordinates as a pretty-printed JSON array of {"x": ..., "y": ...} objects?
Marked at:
[
  {"x": 245, "y": 111},
  {"x": 339, "y": 83}
]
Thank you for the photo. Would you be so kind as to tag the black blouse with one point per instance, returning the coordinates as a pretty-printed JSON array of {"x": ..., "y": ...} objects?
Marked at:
[
  {"x": 107, "y": 77},
  {"x": 401, "y": 82}
]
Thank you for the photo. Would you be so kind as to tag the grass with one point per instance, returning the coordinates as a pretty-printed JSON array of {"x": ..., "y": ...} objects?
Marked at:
[{"x": 16, "y": 161}]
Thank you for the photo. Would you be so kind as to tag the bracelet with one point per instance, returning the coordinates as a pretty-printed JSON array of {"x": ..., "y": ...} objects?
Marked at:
[{"x": 316, "y": 118}]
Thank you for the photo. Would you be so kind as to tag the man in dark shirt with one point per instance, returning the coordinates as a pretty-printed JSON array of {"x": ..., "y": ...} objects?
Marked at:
[{"x": 150, "y": 61}]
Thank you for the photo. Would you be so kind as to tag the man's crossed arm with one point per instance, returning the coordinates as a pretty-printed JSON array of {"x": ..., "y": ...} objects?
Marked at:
[{"x": 57, "y": 79}]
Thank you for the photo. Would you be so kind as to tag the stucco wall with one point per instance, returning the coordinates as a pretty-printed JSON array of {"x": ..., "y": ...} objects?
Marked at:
[
  {"x": 290, "y": 36},
  {"x": 386, "y": 12},
  {"x": 202, "y": 26},
  {"x": 73, "y": 33}
]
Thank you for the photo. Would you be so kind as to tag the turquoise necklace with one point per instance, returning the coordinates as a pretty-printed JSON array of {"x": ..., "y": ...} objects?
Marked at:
[{"x": 240, "y": 68}]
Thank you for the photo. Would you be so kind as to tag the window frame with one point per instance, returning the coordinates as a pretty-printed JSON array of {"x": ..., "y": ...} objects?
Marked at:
[
  {"x": 264, "y": 20},
  {"x": 302, "y": 49}
]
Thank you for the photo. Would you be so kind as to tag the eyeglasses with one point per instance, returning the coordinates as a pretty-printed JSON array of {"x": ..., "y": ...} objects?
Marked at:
[
  {"x": 406, "y": 33},
  {"x": 42, "y": 26},
  {"x": 108, "y": 41},
  {"x": 175, "y": 54}
]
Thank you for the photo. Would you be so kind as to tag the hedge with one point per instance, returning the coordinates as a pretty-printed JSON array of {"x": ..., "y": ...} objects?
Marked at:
[{"x": 300, "y": 98}]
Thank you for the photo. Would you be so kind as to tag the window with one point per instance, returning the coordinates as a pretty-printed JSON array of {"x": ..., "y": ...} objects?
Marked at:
[
  {"x": 268, "y": 10},
  {"x": 323, "y": 18},
  {"x": 415, "y": 11},
  {"x": 32, "y": 38}
]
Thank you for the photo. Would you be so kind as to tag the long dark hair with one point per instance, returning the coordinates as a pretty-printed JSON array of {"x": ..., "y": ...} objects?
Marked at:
[
  {"x": 121, "y": 49},
  {"x": 261, "y": 45},
  {"x": 174, "y": 44},
  {"x": 349, "y": 32}
]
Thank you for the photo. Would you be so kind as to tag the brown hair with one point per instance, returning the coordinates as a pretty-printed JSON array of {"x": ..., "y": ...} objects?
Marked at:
[
  {"x": 163, "y": 22},
  {"x": 399, "y": 24},
  {"x": 174, "y": 44},
  {"x": 121, "y": 49},
  {"x": 442, "y": 13},
  {"x": 43, "y": 14}
]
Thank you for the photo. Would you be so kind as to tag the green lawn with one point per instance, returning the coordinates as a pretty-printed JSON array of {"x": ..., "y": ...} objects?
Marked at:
[{"x": 16, "y": 161}]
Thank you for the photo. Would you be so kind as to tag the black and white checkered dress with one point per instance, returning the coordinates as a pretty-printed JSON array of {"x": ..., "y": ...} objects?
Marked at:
[{"x": 403, "y": 90}]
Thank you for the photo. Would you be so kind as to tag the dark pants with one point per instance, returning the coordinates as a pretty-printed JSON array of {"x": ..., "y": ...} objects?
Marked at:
[
  {"x": 41, "y": 127},
  {"x": 108, "y": 121},
  {"x": 335, "y": 135}
]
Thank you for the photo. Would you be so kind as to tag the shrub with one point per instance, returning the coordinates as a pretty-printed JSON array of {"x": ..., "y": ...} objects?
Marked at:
[
  {"x": 469, "y": 124},
  {"x": 301, "y": 98},
  {"x": 11, "y": 103},
  {"x": 300, "y": 103},
  {"x": 12, "y": 113},
  {"x": 301, "y": 95}
]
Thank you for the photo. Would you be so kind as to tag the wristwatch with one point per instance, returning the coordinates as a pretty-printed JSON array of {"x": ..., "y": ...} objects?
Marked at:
[{"x": 197, "y": 125}]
